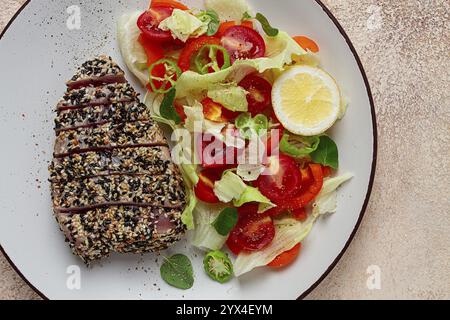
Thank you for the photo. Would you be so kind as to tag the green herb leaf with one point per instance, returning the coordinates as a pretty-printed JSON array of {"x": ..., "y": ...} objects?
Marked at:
[
  {"x": 268, "y": 29},
  {"x": 218, "y": 266},
  {"x": 167, "y": 109},
  {"x": 178, "y": 272},
  {"x": 247, "y": 16},
  {"x": 226, "y": 221},
  {"x": 326, "y": 153},
  {"x": 297, "y": 146}
]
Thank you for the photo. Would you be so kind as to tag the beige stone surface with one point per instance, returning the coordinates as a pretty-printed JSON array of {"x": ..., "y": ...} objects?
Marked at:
[{"x": 405, "y": 48}]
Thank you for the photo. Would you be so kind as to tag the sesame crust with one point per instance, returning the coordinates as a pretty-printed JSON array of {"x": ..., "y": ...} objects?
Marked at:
[{"x": 114, "y": 186}]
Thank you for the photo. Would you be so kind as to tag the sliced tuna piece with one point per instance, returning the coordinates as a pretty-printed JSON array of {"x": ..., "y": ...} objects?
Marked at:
[
  {"x": 143, "y": 160},
  {"x": 146, "y": 190},
  {"x": 71, "y": 119},
  {"x": 109, "y": 135},
  {"x": 95, "y": 233},
  {"x": 99, "y": 71},
  {"x": 94, "y": 96}
]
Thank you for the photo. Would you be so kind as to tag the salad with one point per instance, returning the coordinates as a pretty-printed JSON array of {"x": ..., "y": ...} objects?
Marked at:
[{"x": 249, "y": 108}]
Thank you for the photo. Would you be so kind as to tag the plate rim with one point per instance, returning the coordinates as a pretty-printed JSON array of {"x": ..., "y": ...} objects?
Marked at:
[{"x": 372, "y": 174}]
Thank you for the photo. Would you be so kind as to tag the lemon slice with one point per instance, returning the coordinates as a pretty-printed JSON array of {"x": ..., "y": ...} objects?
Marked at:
[
  {"x": 306, "y": 100},
  {"x": 132, "y": 52}
]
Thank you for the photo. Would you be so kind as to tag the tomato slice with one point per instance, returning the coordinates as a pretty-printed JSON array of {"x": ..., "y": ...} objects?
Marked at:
[
  {"x": 243, "y": 43},
  {"x": 286, "y": 258},
  {"x": 192, "y": 47},
  {"x": 309, "y": 194},
  {"x": 300, "y": 214},
  {"x": 233, "y": 246},
  {"x": 307, "y": 178},
  {"x": 281, "y": 180},
  {"x": 149, "y": 22},
  {"x": 168, "y": 3},
  {"x": 213, "y": 153},
  {"x": 260, "y": 93},
  {"x": 204, "y": 190},
  {"x": 224, "y": 26},
  {"x": 253, "y": 232}
]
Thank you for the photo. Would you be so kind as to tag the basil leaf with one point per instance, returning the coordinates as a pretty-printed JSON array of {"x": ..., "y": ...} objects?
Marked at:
[
  {"x": 177, "y": 271},
  {"x": 326, "y": 153},
  {"x": 226, "y": 221},
  {"x": 268, "y": 29},
  {"x": 296, "y": 146},
  {"x": 167, "y": 110}
]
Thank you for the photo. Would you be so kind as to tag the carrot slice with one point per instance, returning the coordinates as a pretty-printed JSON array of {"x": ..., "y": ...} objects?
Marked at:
[
  {"x": 168, "y": 3},
  {"x": 307, "y": 44}
]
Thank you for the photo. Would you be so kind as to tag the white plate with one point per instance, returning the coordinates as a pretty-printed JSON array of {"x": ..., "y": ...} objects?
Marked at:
[{"x": 38, "y": 53}]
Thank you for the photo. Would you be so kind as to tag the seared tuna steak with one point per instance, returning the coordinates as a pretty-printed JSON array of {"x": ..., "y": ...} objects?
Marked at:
[{"x": 114, "y": 186}]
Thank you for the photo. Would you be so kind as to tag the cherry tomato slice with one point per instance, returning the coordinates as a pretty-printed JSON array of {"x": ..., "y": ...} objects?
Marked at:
[
  {"x": 149, "y": 22},
  {"x": 213, "y": 153},
  {"x": 243, "y": 43},
  {"x": 233, "y": 246},
  {"x": 260, "y": 93},
  {"x": 204, "y": 190},
  {"x": 192, "y": 47},
  {"x": 253, "y": 232},
  {"x": 286, "y": 258},
  {"x": 281, "y": 180},
  {"x": 300, "y": 214}
]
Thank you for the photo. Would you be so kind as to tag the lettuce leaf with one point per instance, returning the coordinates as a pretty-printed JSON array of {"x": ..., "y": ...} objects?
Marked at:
[
  {"x": 229, "y": 188},
  {"x": 288, "y": 233},
  {"x": 205, "y": 236},
  {"x": 132, "y": 51},
  {"x": 326, "y": 201},
  {"x": 230, "y": 96},
  {"x": 228, "y": 10},
  {"x": 182, "y": 24},
  {"x": 252, "y": 194}
]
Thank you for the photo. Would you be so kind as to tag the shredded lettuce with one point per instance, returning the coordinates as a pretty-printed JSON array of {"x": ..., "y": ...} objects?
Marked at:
[
  {"x": 228, "y": 10},
  {"x": 326, "y": 201},
  {"x": 182, "y": 24},
  {"x": 230, "y": 96},
  {"x": 205, "y": 236},
  {"x": 288, "y": 233},
  {"x": 132, "y": 51}
]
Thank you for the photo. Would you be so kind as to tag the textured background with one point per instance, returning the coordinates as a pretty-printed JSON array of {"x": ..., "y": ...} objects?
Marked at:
[{"x": 405, "y": 48}]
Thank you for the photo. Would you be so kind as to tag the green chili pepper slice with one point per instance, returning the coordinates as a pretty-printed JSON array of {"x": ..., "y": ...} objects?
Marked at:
[
  {"x": 164, "y": 72},
  {"x": 207, "y": 58}
]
